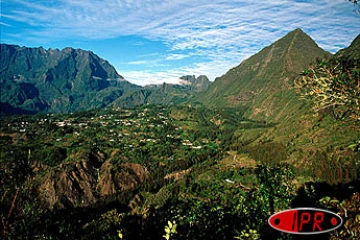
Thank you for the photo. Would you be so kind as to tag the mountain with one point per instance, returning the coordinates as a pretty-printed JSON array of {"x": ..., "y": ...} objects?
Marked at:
[
  {"x": 36, "y": 80},
  {"x": 187, "y": 83},
  {"x": 188, "y": 87},
  {"x": 166, "y": 93},
  {"x": 352, "y": 52},
  {"x": 263, "y": 83},
  {"x": 139, "y": 167},
  {"x": 262, "y": 87},
  {"x": 198, "y": 84}
]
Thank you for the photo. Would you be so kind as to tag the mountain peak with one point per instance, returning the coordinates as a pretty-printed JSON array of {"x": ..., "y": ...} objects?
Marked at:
[
  {"x": 298, "y": 37},
  {"x": 197, "y": 84},
  {"x": 299, "y": 30},
  {"x": 297, "y": 49},
  {"x": 37, "y": 80},
  {"x": 297, "y": 33},
  {"x": 261, "y": 81}
]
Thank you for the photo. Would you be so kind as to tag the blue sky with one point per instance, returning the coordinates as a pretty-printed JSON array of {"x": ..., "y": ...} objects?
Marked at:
[{"x": 155, "y": 41}]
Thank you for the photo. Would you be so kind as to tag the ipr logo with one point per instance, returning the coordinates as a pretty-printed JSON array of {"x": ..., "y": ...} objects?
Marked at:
[{"x": 305, "y": 221}]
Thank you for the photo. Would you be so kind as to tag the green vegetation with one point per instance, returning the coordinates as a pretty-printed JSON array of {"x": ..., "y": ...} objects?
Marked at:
[
  {"x": 183, "y": 171},
  {"x": 35, "y": 80},
  {"x": 334, "y": 85},
  {"x": 127, "y": 173},
  {"x": 263, "y": 83}
]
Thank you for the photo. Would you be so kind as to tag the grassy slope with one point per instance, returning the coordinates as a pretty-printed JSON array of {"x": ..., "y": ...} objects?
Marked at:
[
  {"x": 264, "y": 81},
  {"x": 264, "y": 84}
]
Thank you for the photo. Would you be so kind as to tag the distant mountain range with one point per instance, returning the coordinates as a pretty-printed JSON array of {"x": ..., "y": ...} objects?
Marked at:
[
  {"x": 165, "y": 93},
  {"x": 35, "y": 80}
]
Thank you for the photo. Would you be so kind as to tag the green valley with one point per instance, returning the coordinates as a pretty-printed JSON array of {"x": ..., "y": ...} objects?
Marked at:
[{"x": 85, "y": 154}]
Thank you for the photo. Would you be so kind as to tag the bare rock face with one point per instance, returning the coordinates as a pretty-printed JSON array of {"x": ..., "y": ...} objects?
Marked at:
[
  {"x": 127, "y": 177},
  {"x": 83, "y": 183},
  {"x": 69, "y": 186}
]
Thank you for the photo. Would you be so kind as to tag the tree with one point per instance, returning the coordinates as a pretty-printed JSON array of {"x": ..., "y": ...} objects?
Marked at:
[
  {"x": 334, "y": 85},
  {"x": 275, "y": 186},
  {"x": 15, "y": 190},
  {"x": 356, "y": 5}
]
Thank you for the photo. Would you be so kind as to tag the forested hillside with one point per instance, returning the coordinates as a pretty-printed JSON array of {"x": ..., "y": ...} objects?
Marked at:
[{"x": 263, "y": 142}]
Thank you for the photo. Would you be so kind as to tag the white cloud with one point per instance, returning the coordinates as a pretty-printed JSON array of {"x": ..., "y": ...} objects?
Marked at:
[
  {"x": 140, "y": 62},
  {"x": 176, "y": 56},
  {"x": 221, "y": 32},
  {"x": 145, "y": 78},
  {"x": 5, "y": 24}
]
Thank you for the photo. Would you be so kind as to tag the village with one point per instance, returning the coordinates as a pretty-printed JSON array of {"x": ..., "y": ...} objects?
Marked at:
[{"x": 144, "y": 129}]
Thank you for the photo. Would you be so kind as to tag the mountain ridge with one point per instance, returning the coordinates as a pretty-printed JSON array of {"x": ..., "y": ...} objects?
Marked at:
[
  {"x": 260, "y": 81},
  {"x": 189, "y": 82},
  {"x": 36, "y": 80},
  {"x": 39, "y": 80},
  {"x": 167, "y": 93},
  {"x": 352, "y": 52}
]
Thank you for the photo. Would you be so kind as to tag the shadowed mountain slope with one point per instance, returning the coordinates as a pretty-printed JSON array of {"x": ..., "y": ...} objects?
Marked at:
[{"x": 39, "y": 80}]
